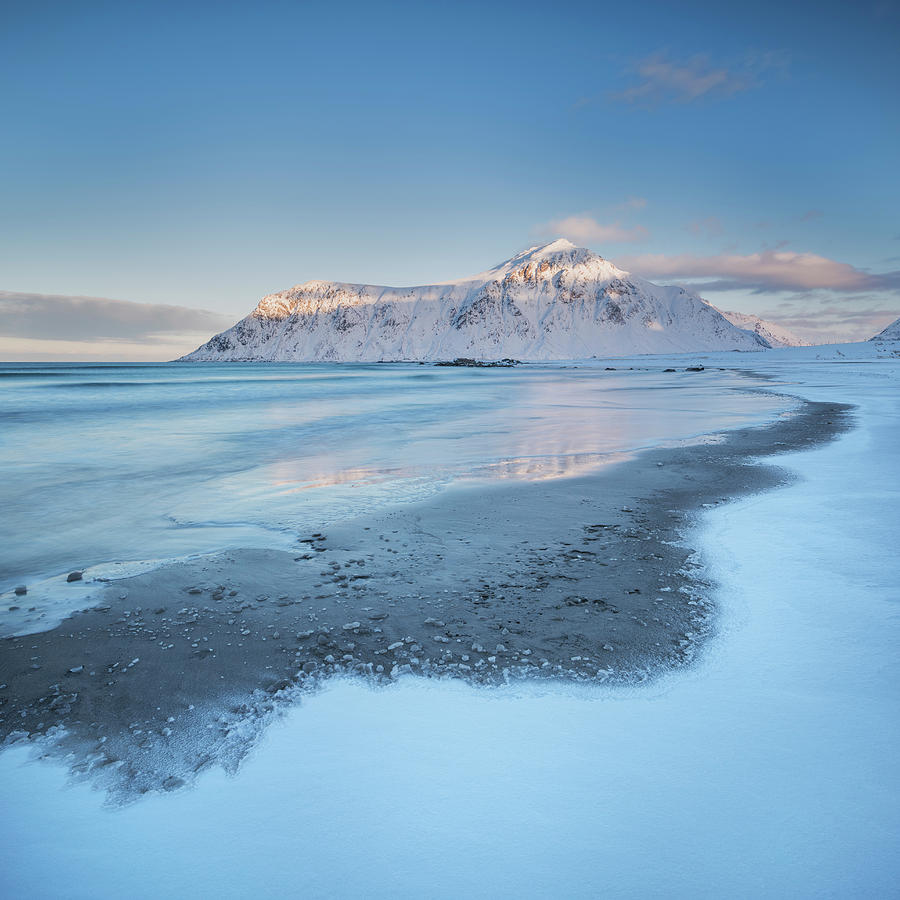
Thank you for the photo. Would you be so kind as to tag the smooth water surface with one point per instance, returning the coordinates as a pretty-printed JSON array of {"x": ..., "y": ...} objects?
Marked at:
[{"x": 107, "y": 463}]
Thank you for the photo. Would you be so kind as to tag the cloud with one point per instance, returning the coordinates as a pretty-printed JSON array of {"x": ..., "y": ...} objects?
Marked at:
[
  {"x": 47, "y": 325},
  {"x": 770, "y": 271},
  {"x": 825, "y": 322},
  {"x": 587, "y": 230},
  {"x": 659, "y": 79},
  {"x": 711, "y": 226},
  {"x": 58, "y": 317}
]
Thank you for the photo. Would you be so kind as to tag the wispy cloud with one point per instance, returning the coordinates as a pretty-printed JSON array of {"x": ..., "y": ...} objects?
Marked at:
[
  {"x": 821, "y": 322},
  {"x": 711, "y": 226},
  {"x": 96, "y": 327},
  {"x": 769, "y": 271},
  {"x": 660, "y": 79},
  {"x": 586, "y": 229},
  {"x": 632, "y": 203}
]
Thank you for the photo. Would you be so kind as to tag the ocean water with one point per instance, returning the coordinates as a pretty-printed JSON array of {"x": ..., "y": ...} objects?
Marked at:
[{"x": 104, "y": 464}]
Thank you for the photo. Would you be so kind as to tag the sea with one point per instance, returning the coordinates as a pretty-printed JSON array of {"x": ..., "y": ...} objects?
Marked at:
[{"x": 122, "y": 465}]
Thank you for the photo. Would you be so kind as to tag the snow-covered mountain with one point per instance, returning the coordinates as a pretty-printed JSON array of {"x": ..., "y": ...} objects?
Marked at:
[
  {"x": 774, "y": 335},
  {"x": 891, "y": 333},
  {"x": 556, "y": 301}
]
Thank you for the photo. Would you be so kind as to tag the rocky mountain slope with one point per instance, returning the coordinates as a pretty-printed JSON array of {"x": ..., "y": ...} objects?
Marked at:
[
  {"x": 556, "y": 301},
  {"x": 891, "y": 333}
]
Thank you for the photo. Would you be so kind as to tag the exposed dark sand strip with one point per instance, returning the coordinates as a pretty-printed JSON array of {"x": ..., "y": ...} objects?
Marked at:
[{"x": 586, "y": 578}]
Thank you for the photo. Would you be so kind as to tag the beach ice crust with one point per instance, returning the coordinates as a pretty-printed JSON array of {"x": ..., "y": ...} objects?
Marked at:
[{"x": 768, "y": 770}]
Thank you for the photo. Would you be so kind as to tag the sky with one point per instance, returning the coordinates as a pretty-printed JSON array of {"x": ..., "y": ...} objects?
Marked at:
[{"x": 165, "y": 165}]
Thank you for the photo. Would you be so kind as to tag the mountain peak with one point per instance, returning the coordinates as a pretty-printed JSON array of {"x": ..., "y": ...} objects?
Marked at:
[
  {"x": 547, "y": 259},
  {"x": 891, "y": 333},
  {"x": 560, "y": 245},
  {"x": 546, "y": 251}
]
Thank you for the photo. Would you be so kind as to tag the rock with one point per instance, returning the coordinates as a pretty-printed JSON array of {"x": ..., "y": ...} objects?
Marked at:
[
  {"x": 21, "y": 590},
  {"x": 349, "y": 626},
  {"x": 478, "y": 363},
  {"x": 76, "y": 670},
  {"x": 694, "y": 369},
  {"x": 74, "y": 576}
]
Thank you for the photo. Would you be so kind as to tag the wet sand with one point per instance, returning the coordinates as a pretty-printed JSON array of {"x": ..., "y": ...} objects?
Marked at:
[{"x": 589, "y": 578}]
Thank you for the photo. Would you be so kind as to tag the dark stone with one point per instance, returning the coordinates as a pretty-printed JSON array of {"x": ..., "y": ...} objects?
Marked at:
[
  {"x": 74, "y": 576},
  {"x": 505, "y": 363}
]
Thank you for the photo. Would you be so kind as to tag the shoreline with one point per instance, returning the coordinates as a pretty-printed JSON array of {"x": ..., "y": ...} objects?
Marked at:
[
  {"x": 50, "y": 599},
  {"x": 586, "y": 578}
]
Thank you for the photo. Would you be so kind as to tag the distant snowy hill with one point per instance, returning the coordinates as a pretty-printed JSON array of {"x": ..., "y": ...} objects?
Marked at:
[
  {"x": 557, "y": 301},
  {"x": 774, "y": 335},
  {"x": 891, "y": 333}
]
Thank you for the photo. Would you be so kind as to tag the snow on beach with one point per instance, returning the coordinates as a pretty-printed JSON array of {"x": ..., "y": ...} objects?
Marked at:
[{"x": 766, "y": 770}]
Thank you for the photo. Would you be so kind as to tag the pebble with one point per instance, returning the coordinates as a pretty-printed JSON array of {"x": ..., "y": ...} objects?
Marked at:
[
  {"x": 350, "y": 626},
  {"x": 76, "y": 670},
  {"x": 74, "y": 576},
  {"x": 21, "y": 590}
]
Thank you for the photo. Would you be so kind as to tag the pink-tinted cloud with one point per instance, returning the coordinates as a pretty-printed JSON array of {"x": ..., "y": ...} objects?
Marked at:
[
  {"x": 587, "y": 230},
  {"x": 765, "y": 272}
]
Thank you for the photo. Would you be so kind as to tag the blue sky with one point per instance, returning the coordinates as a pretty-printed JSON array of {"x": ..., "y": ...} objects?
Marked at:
[{"x": 201, "y": 155}]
